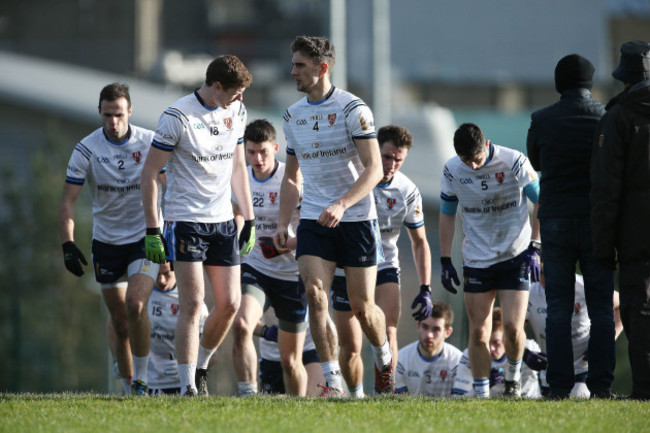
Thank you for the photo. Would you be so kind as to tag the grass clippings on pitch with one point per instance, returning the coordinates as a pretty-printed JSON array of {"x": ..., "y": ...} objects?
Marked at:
[{"x": 72, "y": 413}]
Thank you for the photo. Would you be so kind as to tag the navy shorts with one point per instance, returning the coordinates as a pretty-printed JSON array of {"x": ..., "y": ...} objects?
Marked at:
[
  {"x": 286, "y": 297},
  {"x": 214, "y": 244},
  {"x": 354, "y": 244},
  {"x": 508, "y": 275},
  {"x": 112, "y": 261},
  {"x": 339, "y": 292},
  {"x": 271, "y": 372}
]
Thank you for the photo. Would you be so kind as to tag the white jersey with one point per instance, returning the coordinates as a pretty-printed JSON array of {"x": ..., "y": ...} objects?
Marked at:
[
  {"x": 113, "y": 172},
  {"x": 493, "y": 207},
  {"x": 580, "y": 323},
  {"x": 398, "y": 202},
  {"x": 202, "y": 141},
  {"x": 320, "y": 135},
  {"x": 430, "y": 377},
  {"x": 464, "y": 381},
  {"x": 266, "y": 204},
  {"x": 162, "y": 371}
]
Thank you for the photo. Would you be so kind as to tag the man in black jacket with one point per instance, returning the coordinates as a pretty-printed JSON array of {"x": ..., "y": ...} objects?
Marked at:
[
  {"x": 559, "y": 145},
  {"x": 620, "y": 193}
]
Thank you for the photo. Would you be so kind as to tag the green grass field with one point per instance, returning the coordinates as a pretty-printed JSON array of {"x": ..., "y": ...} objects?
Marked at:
[{"x": 104, "y": 413}]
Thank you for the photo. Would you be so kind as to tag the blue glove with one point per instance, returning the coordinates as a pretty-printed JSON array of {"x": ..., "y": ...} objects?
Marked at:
[
  {"x": 497, "y": 376},
  {"x": 535, "y": 360},
  {"x": 531, "y": 258},
  {"x": 449, "y": 274},
  {"x": 270, "y": 333},
  {"x": 423, "y": 299}
]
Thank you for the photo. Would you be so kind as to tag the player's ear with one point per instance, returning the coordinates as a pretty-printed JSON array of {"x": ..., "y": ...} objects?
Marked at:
[
  {"x": 324, "y": 67},
  {"x": 276, "y": 147},
  {"x": 448, "y": 331}
]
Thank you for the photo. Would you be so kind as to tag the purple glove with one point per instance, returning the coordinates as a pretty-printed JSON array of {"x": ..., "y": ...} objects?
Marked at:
[
  {"x": 497, "y": 376},
  {"x": 270, "y": 333},
  {"x": 449, "y": 274},
  {"x": 268, "y": 247},
  {"x": 532, "y": 260},
  {"x": 423, "y": 299},
  {"x": 535, "y": 360}
]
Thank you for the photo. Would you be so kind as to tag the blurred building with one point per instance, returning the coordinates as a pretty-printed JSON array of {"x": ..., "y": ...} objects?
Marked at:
[{"x": 457, "y": 53}]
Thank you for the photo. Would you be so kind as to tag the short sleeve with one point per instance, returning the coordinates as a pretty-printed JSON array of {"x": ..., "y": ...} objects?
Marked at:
[
  {"x": 359, "y": 119},
  {"x": 170, "y": 129}
]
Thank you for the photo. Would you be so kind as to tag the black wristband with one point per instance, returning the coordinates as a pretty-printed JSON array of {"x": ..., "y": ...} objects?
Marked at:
[
  {"x": 425, "y": 288},
  {"x": 445, "y": 260},
  {"x": 537, "y": 245},
  {"x": 153, "y": 231},
  {"x": 263, "y": 331}
]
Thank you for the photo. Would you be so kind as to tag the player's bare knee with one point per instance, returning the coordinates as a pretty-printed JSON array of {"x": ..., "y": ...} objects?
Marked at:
[
  {"x": 242, "y": 329},
  {"x": 290, "y": 362},
  {"x": 229, "y": 308},
  {"x": 512, "y": 331},
  {"x": 316, "y": 300},
  {"x": 348, "y": 353},
  {"x": 361, "y": 311},
  {"x": 479, "y": 335},
  {"x": 135, "y": 307},
  {"x": 191, "y": 308}
]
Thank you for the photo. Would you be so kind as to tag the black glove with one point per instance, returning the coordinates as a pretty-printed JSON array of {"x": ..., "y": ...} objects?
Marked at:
[
  {"x": 247, "y": 237},
  {"x": 270, "y": 333},
  {"x": 423, "y": 299},
  {"x": 73, "y": 257},
  {"x": 268, "y": 247},
  {"x": 535, "y": 360}
]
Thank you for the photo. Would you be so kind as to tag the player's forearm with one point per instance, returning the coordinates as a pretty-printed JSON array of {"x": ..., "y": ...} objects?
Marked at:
[
  {"x": 446, "y": 228},
  {"x": 242, "y": 193},
  {"x": 240, "y": 185},
  {"x": 153, "y": 166},
  {"x": 150, "y": 196},
  {"x": 66, "y": 225},
  {"x": 289, "y": 196},
  {"x": 364, "y": 184},
  {"x": 422, "y": 255},
  {"x": 534, "y": 222},
  {"x": 66, "y": 212}
]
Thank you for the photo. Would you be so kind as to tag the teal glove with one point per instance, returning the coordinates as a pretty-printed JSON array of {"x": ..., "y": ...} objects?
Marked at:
[
  {"x": 155, "y": 246},
  {"x": 247, "y": 237}
]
